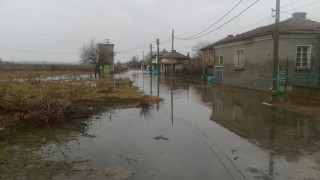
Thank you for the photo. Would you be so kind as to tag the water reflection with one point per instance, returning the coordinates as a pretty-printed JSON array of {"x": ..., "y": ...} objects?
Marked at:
[
  {"x": 279, "y": 138},
  {"x": 280, "y": 132},
  {"x": 145, "y": 112},
  {"x": 283, "y": 132}
]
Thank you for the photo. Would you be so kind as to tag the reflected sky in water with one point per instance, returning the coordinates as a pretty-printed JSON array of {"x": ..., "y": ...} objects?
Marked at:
[{"x": 212, "y": 135}]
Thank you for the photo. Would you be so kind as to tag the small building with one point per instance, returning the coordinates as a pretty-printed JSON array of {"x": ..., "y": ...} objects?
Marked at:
[
  {"x": 207, "y": 59},
  {"x": 178, "y": 61},
  {"x": 146, "y": 65},
  {"x": 246, "y": 60},
  {"x": 106, "y": 58}
]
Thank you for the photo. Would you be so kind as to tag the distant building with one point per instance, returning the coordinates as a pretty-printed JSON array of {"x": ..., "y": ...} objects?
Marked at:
[
  {"x": 207, "y": 59},
  {"x": 178, "y": 61},
  {"x": 146, "y": 65},
  {"x": 106, "y": 57}
]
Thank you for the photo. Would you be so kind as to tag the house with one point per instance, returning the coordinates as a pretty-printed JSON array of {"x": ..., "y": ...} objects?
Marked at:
[
  {"x": 246, "y": 60},
  {"x": 207, "y": 59},
  {"x": 149, "y": 65},
  {"x": 145, "y": 65},
  {"x": 178, "y": 61}
]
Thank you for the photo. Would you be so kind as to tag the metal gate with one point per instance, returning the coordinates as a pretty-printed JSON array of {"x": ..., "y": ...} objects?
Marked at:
[{"x": 218, "y": 74}]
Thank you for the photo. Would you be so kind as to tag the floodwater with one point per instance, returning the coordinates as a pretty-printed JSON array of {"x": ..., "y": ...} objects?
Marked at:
[{"x": 195, "y": 133}]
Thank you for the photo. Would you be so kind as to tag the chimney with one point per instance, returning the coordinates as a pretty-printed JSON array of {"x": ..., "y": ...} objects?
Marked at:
[
  {"x": 230, "y": 36},
  {"x": 188, "y": 55},
  {"x": 299, "y": 15}
]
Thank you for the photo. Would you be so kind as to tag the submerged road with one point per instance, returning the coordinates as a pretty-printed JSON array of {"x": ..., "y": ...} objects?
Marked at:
[{"x": 197, "y": 133}]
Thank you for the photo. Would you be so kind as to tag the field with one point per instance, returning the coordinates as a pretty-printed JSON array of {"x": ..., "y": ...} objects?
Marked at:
[{"x": 42, "y": 99}]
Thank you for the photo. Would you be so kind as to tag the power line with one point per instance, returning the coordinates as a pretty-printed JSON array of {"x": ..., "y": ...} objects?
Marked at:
[
  {"x": 291, "y": 3},
  {"x": 251, "y": 25},
  {"x": 36, "y": 52},
  {"x": 137, "y": 48},
  {"x": 210, "y": 19},
  {"x": 142, "y": 47},
  {"x": 222, "y": 24},
  {"x": 166, "y": 41},
  {"x": 216, "y": 21},
  {"x": 303, "y": 6}
]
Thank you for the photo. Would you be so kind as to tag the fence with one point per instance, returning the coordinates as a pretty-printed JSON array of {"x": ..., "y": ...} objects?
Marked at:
[{"x": 302, "y": 79}]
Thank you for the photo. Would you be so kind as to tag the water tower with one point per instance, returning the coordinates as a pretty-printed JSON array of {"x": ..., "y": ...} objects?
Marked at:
[{"x": 106, "y": 57}]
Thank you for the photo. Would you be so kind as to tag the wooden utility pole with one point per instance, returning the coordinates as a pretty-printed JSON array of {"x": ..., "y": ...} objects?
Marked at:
[
  {"x": 143, "y": 70},
  {"x": 150, "y": 69},
  {"x": 171, "y": 78},
  {"x": 172, "y": 53},
  {"x": 276, "y": 50},
  {"x": 158, "y": 65}
]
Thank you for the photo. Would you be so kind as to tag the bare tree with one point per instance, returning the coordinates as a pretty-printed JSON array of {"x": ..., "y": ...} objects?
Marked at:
[
  {"x": 134, "y": 62},
  {"x": 197, "y": 53},
  {"x": 118, "y": 64},
  {"x": 90, "y": 55}
]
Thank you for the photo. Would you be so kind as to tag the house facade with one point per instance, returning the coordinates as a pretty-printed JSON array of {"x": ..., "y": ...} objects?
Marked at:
[
  {"x": 208, "y": 59},
  {"x": 246, "y": 60},
  {"x": 178, "y": 60}
]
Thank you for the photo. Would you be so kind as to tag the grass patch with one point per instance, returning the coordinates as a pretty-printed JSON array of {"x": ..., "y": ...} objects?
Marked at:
[{"x": 34, "y": 103}]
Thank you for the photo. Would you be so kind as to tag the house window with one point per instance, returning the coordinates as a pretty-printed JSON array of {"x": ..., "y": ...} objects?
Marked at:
[
  {"x": 239, "y": 58},
  {"x": 220, "y": 59},
  {"x": 303, "y": 56}
]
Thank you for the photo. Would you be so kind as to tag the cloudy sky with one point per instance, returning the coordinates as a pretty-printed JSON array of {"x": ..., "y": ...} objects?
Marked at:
[{"x": 55, "y": 30}]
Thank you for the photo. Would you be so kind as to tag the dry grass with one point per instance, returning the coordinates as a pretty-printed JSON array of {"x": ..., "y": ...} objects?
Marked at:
[{"x": 41, "y": 103}]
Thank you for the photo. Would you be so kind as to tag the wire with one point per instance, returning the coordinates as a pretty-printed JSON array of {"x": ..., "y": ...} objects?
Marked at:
[
  {"x": 251, "y": 25},
  {"x": 166, "y": 41},
  {"x": 137, "y": 48},
  {"x": 291, "y": 3},
  {"x": 36, "y": 52},
  {"x": 209, "y": 20},
  {"x": 222, "y": 24},
  {"x": 217, "y": 21},
  {"x": 302, "y": 6}
]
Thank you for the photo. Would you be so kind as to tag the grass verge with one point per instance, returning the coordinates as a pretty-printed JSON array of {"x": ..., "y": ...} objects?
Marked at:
[{"x": 27, "y": 101}]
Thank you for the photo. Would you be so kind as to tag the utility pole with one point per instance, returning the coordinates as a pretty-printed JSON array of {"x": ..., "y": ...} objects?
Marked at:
[
  {"x": 172, "y": 53},
  {"x": 276, "y": 50},
  {"x": 143, "y": 71},
  {"x": 171, "y": 78},
  {"x": 158, "y": 65},
  {"x": 150, "y": 69}
]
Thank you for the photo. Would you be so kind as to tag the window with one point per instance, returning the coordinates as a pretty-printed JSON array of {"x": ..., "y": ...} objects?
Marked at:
[
  {"x": 239, "y": 59},
  {"x": 220, "y": 59},
  {"x": 303, "y": 56}
]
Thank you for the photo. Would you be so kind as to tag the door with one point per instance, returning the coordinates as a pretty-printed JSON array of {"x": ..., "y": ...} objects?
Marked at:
[{"x": 218, "y": 74}]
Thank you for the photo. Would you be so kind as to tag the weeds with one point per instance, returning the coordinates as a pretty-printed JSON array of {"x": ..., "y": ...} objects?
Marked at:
[{"x": 43, "y": 103}]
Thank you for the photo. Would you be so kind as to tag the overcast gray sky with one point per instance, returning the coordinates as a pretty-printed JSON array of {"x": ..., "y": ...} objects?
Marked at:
[{"x": 56, "y": 29}]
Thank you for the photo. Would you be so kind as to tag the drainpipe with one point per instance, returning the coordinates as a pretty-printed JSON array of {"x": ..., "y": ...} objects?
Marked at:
[
  {"x": 203, "y": 73},
  {"x": 214, "y": 65}
]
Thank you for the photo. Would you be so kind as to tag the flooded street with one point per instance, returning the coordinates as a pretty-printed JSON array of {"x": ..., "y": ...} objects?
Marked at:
[{"x": 199, "y": 134}]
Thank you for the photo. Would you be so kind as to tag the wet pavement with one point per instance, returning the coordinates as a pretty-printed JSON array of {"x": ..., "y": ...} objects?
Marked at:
[{"x": 195, "y": 133}]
